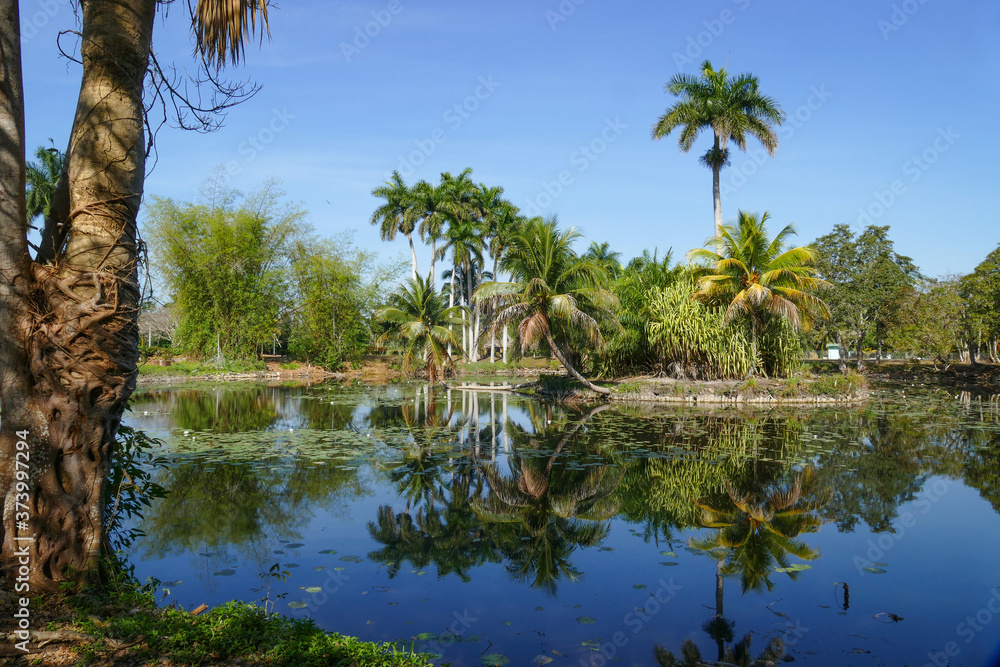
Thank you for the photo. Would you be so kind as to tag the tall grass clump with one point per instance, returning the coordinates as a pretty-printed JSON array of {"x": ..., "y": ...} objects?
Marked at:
[{"x": 693, "y": 342}]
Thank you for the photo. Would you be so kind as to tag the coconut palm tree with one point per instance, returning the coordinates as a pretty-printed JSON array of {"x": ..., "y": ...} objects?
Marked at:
[
  {"x": 42, "y": 178},
  {"x": 606, "y": 257},
  {"x": 731, "y": 106},
  {"x": 398, "y": 215},
  {"x": 552, "y": 292},
  {"x": 756, "y": 277},
  {"x": 420, "y": 320}
]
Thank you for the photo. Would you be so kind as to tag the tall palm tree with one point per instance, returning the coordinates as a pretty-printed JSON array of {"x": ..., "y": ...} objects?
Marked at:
[
  {"x": 731, "y": 106},
  {"x": 464, "y": 241},
  {"x": 428, "y": 205},
  {"x": 552, "y": 292},
  {"x": 42, "y": 178},
  {"x": 421, "y": 318},
  {"x": 397, "y": 215},
  {"x": 757, "y": 277}
]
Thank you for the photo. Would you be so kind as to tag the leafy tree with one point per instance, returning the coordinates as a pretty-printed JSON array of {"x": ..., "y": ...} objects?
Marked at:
[
  {"x": 868, "y": 280},
  {"x": 929, "y": 321},
  {"x": 226, "y": 263},
  {"x": 335, "y": 288},
  {"x": 756, "y": 278},
  {"x": 980, "y": 291},
  {"x": 419, "y": 320},
  {"x": 732, "y": 107},
  {"x": 553, "y": 292},
  {"x": 68, "y": 335}
]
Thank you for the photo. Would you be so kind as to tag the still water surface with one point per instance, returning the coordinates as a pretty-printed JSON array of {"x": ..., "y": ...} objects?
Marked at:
[{"x": 489, "y": 528}]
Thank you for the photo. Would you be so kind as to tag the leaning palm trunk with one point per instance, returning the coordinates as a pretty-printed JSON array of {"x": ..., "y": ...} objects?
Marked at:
[
  {"x": 569, "y": 367},
  {"x": 70, "y": 337}
]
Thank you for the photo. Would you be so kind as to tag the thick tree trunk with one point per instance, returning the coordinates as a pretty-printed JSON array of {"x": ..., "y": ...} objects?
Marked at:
[
  {"x": 569, "y": 367},
  {"x": 81, "y": 336}
]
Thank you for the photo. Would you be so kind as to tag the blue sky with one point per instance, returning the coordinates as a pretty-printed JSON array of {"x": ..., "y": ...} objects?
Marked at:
[{"x": 890, "y": 109}]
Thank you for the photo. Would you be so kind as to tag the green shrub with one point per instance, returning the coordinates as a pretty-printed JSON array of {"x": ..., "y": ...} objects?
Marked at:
[
  {"x": 692, "y": 341},
  {"x": 838, "y": 385}
]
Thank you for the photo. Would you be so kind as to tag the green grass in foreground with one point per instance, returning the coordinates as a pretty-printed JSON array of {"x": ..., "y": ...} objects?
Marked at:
[{"x": 128, "y": 628}]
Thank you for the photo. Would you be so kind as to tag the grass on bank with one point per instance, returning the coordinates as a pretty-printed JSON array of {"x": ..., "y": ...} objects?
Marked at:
[
  {"x": 126, "y": 627},
  {"x": 201, "y": 368}
]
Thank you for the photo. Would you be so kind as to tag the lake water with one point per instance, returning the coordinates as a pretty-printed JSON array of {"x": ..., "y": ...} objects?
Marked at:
[{"x": 489, "y": 528}]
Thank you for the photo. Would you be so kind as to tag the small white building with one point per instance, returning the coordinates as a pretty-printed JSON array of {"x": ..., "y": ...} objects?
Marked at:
[{"x": 832, "y": 351}]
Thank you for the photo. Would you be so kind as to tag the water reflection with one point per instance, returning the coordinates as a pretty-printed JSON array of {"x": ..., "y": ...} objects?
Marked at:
[{"x": 459, "y": 485}]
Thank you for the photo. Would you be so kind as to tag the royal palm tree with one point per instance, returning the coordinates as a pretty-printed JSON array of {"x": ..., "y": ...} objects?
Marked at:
[
  {"x": 42, "y": 178},
  {"x": 421, "y": 320},
  {"x": 731, "y": 106},
  {"x": 551, "y": 293},
  {"x": 464, "y": 241},
  {"x": 755, "y": 276},
  {"x": 427, "y": 204},
  {"x": 398, "y": 215}
]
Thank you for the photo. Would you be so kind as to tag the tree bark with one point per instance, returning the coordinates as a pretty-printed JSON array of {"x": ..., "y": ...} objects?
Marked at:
[
  {"x": 80, "y": 337},
  {"x": 717, "y": 191},
  {"x": 861, "y": 350},
  {"x": 413, "y": 256},
  {"x": 841, "y": 361},
  {"x": 569, "y": 367}
]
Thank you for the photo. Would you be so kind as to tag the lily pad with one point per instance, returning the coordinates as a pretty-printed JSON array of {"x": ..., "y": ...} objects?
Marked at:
[
  {"x": 171, "y": 584},
  {"x": 494, "y": 660},
  {"x": 426, "y": 636},
  {"x": 586, "y": 620},
  {"x": 224, "y": 573},
  {"x": 319, "y": 568},
  {"x": 668, "y": 553},
  {"x": 314, "y": 589},
  {"x": 328, "y": 552},
  {"x": 875, "y": 570},
  {"x": 639, "y": 587},
  {"x": 339, "y": 568},
  {"x": 297, "y": 605},
  {"x": 542, "y": 659},
  {"x": 294, "y": 545},
  {"x": 668, "y": 563},
  {"x": 797, "y": 567},
  {"x": 351, "y": 559}
]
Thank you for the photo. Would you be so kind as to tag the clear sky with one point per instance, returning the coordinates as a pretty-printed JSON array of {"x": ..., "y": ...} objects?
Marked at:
[{"x": 890, "y": 110}]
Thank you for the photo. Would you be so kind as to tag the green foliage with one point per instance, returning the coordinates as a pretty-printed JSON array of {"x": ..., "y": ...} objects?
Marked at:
[
  {"x": 980, "y": 291},
  {"x": 929, "y": 320},
  {"x": 693, "y": 341},
  {"x": 130, "y": 488},
  {"x": 41, "y": 178},
  {"x": 335, "y": 300},
  {"x": 236, "y": 631},
  {"x": 225, "y": 261},
  {"x": 629, "y": 349},
  {"x": 838, "y": 384},
  {"x": 868, "y": 279},
  {"x": 419, "y": 320}
]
